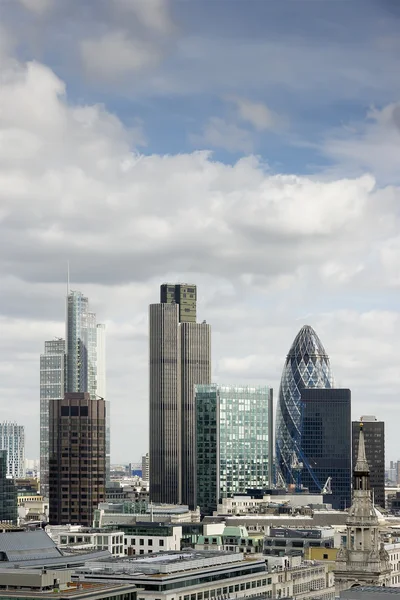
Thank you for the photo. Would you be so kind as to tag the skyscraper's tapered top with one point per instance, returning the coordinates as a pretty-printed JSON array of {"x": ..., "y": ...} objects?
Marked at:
[{"x": 307, "y": 344}]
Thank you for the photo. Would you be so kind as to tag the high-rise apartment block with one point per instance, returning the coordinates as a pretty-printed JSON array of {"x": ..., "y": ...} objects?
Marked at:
[
  {"x": 180, "y": 357},
  {"x": 326, "y": 443},
  {"x": 53, "y": 371},
  {"x": 76, "y": 364},
  {"x": 8, "y": 493},
  {"x": 234, "y": 442},
  {"x": 77, "y": 439},
  {"x": 374, "y": 438},
  {"x": 12, "y": 439}
]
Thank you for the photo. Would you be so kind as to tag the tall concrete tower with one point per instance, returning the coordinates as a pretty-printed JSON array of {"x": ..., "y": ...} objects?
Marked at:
[
  {"x": 363, "y": 559},
  {"x": 165, "y": 404},
  {"x": 180, "y": 358}
]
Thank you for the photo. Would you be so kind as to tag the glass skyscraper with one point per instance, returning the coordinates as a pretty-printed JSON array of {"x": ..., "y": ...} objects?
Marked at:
[
  {"x": 81, "y": 332},
  {"x": 76, "y": 364},
  {"x": 234, "y": 441},
  {"x": 307, "y": 366},
  {"x": 53, "y": 364},
  {"x": 326, "y": 443}
]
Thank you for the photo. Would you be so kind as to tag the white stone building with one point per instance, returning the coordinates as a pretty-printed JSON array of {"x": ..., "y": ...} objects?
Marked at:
[{"x": 83, "y": 538}]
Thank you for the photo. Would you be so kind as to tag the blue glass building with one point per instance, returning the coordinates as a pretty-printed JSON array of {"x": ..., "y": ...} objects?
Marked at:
[
  {"x": 326, "y": 443},
  {"x": 307, "y": 366}
]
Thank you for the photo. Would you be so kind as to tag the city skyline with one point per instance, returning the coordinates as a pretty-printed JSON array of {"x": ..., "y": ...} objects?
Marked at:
[{"x": 253, "y": 152}]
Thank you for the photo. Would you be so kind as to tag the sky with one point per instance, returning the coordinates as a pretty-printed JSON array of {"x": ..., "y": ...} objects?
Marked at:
[{"x": 250, "y": 147}]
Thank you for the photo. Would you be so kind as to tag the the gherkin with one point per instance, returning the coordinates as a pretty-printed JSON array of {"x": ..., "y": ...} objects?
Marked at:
[{"x": 307, "y": 366}]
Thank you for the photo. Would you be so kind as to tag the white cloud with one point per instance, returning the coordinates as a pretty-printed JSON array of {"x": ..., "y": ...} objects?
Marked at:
[
  {"x": 220, "y": 133},
  {"x": 373, "y": 144},
  {"x": 37, "y": 6},
  {"x": 153, "y": 14},
  {"x": 114, "y": 53},
  {"x": 257, "y": 114},
  {"x": 264, "y": 250}
]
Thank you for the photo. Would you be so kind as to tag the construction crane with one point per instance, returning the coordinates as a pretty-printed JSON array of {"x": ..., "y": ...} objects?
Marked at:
[
  {"x": 327, "y": 489},
  {"x": 296, "y": 467}
]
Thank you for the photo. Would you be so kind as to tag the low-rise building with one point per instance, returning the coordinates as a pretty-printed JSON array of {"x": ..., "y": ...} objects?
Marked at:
[
  {"x": 112, "y": 513},
  {"x": 36, "y": 584},
  {"x": 259, "y": 501},
  {"x": 196, "y": 575},
  {"x": 295, "y": 540},
  {"x": 232, "y": 539},
  {"x": 149, "y": 538},
  {"x": 85, "y": 538}
]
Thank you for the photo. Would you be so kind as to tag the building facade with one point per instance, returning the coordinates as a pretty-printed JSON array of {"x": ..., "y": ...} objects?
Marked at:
[
  {"x": 307, "y": 366},
  {"x": 195, "y": 369},
  {"x": 362, "y": 559},
  {"x": 374, "y": 436},
  {"x": 165, "y": 404},
  {"x": 8, "y": 493},
  {"x": 53, "y": 371},
  {"x": 233, "y": 441},
  {"x": 184, "y": 295},
  {"x": 180, "y": 357},
  {"x": 12, "y": 439},
  {"x": 77, "y": 458},
  {"x": 101, "y": 390},
  {"x": 326, "y": 443}
]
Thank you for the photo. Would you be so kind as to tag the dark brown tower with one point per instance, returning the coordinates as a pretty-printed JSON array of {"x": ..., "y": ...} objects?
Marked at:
[{"x": 77, "y": 458}]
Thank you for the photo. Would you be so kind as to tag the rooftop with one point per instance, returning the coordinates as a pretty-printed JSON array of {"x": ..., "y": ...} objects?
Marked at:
[
  {"x": 74, "y": 590},
  {"x": 166, "y": 563}
]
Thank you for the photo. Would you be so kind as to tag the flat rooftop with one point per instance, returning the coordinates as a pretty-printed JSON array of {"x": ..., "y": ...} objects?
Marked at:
[
  {"x": 169, "y": 563},
  {"x": 74, "y": 590}
]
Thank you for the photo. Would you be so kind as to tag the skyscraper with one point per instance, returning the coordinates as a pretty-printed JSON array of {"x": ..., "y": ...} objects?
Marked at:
[
  {"x": 8, "y": 493},
  {"x": 233, "y": 441},
  {"x": 81, "y": 333},
  {"x": 307, "y": 366},
  {"x": 52, "y": 386},
  {"x": 12, "y": 439},
  {"x": 180, "y": 357},
  {"x": 326, "y": 443},
  {"x": 76, "y": 364},
  {"x": 77, "y": 467},
  {"x": 165, "y": 404},
  {"x": 374, "y": 437},
  {"x": 195, "y": 369}
]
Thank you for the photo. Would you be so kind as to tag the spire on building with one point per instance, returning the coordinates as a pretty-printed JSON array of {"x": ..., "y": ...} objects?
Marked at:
[
  {"x": 361, "y": 465},
  {"x": 362, "y": 559}
]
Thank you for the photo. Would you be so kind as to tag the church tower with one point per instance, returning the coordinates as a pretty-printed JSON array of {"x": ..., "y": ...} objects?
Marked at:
[{"x": 362, "y": 560}]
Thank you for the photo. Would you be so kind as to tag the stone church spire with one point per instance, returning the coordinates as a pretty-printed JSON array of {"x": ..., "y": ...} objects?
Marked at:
[{"x": 362, "y": 560}]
